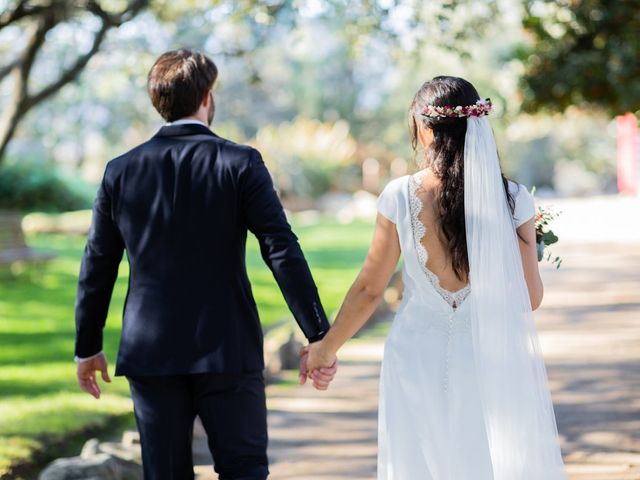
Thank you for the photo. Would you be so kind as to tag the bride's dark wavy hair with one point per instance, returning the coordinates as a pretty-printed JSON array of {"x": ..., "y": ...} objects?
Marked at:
[{"x": 445, "y": 157}]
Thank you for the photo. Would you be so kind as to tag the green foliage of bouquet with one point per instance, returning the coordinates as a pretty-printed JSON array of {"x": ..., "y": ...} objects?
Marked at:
[{"x": 544, "y": 234}]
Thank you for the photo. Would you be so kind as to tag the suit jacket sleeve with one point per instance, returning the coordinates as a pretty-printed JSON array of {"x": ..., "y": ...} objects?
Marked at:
[
  {"x": 98, "y": 273},
  {"x": 280, "y": 249}
]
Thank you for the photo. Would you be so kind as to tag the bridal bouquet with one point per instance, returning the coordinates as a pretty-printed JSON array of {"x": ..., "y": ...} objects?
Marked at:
[{"x": 544, "y": 234}]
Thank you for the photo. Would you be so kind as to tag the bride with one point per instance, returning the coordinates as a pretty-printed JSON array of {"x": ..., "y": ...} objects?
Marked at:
[{"x": 463, "y": 388}]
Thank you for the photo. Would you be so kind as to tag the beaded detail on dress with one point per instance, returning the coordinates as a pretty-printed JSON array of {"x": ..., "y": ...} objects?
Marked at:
[{"x": 454, "y": 299}]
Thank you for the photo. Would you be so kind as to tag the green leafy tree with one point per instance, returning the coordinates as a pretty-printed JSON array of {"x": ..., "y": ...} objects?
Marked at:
[{"x": 584, "y": 53}]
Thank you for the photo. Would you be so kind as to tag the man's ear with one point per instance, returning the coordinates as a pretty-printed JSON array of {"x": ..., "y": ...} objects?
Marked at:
[{"x": 207, "y": 99}]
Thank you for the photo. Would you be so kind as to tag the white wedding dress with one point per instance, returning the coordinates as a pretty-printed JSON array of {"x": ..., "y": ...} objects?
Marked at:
[{"x": 431, "y": 423}]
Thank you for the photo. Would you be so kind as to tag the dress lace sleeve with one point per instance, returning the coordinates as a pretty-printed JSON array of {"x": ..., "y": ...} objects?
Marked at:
[
  {"x": 387, "y": 203},
  {"x": 525, "y": 206}
]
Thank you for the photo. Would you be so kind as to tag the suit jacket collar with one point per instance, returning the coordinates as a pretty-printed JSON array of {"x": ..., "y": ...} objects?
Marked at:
[{"x": 184, "y": 129}]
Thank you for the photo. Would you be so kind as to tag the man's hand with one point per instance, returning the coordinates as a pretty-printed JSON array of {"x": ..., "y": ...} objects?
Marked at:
[
  {"x": 87, "y": 374},
  {"x": 322, "y": 372}
]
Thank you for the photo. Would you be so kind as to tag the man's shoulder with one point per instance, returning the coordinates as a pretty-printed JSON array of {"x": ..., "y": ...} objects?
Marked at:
[
  {"x": 116, "y": 164},
  {"x": 236, "y": 151}
]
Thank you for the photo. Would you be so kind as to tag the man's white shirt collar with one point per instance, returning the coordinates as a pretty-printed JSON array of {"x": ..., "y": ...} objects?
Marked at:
[{"x": 184, "y": 121}]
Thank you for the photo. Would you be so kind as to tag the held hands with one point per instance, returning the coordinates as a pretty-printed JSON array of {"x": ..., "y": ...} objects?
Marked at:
[
  {"x": 87, "y": 374},
  {"x": 317, "y": 364}
]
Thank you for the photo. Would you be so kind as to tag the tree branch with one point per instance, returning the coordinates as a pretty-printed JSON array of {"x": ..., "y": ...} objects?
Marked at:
[
  {"x": 116, "y": 19},
  {"x": 48, "y": 17},
  {"x": 46, "y": 23},
  {"x": 6, "y": 70},
  {"x": 22, "y": 10},
  {"x": 72, "y": 72},
  {"x": 109, "y": 20},
  {"x": 18, "y": 107}
]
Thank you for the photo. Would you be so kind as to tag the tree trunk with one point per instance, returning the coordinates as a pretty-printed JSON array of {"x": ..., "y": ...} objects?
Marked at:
[
  {"x": 19, "y": 104},
  {"x": 8, "y": 124}
]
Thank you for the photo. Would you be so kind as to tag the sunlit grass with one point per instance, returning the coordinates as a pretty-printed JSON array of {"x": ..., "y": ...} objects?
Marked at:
[{"x": 39, "y": 400}]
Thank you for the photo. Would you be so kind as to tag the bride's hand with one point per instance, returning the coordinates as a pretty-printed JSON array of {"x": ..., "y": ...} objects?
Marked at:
[{"x": 321, "y": 364}]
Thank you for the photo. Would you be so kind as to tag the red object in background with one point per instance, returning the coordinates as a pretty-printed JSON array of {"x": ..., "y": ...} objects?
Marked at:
[{"x": 628, "y": 154}]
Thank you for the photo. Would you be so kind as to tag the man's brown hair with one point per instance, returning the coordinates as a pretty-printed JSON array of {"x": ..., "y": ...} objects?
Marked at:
[{"x": 178, "y": 81}]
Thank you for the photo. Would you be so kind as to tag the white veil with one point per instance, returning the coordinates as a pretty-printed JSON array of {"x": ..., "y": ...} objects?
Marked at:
[{"x": 514, "y": 391}]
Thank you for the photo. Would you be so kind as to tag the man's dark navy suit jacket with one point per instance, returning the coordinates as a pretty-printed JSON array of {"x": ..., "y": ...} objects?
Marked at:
[{"x": 181, "y": 205}]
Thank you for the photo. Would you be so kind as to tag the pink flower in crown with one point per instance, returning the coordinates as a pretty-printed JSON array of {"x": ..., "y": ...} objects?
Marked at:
[{"x": 479, "y": 109}]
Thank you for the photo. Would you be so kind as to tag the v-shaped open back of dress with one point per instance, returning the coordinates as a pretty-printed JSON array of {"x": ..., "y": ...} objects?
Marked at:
[{"x": 419, "y": 232}]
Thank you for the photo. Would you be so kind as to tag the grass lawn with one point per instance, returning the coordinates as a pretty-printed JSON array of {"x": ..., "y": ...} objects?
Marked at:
[{"x": 40, "y": 405}]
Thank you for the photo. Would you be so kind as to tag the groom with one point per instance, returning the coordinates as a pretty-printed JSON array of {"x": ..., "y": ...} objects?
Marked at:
[{"x": 181, "y": 204}]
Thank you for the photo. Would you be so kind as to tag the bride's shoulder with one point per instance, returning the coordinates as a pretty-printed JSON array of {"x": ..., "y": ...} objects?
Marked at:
[
  {"x": 524, "y": 202},
  {"x": 395, "y": 186},
  {"x": 390, "y": 202},
  {"x": 518, "y": 190}
]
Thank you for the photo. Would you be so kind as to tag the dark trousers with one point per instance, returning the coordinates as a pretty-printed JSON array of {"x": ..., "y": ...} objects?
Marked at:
[{"x": 232, "y": 409}]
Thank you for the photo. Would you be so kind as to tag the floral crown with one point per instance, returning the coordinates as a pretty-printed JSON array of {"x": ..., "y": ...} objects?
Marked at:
[{"x": 479, "y": 109}]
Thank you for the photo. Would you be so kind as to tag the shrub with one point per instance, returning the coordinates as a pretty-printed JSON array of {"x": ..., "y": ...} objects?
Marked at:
[
  {"x": 306, "y": 155},
  {"x": 34, "y": 186}
]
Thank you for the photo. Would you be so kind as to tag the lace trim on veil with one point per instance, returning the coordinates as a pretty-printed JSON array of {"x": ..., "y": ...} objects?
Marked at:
[{"x": 454, "y": 299}]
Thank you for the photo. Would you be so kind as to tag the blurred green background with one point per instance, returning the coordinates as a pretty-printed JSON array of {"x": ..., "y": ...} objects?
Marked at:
[{"x": 321, "y": 88}]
